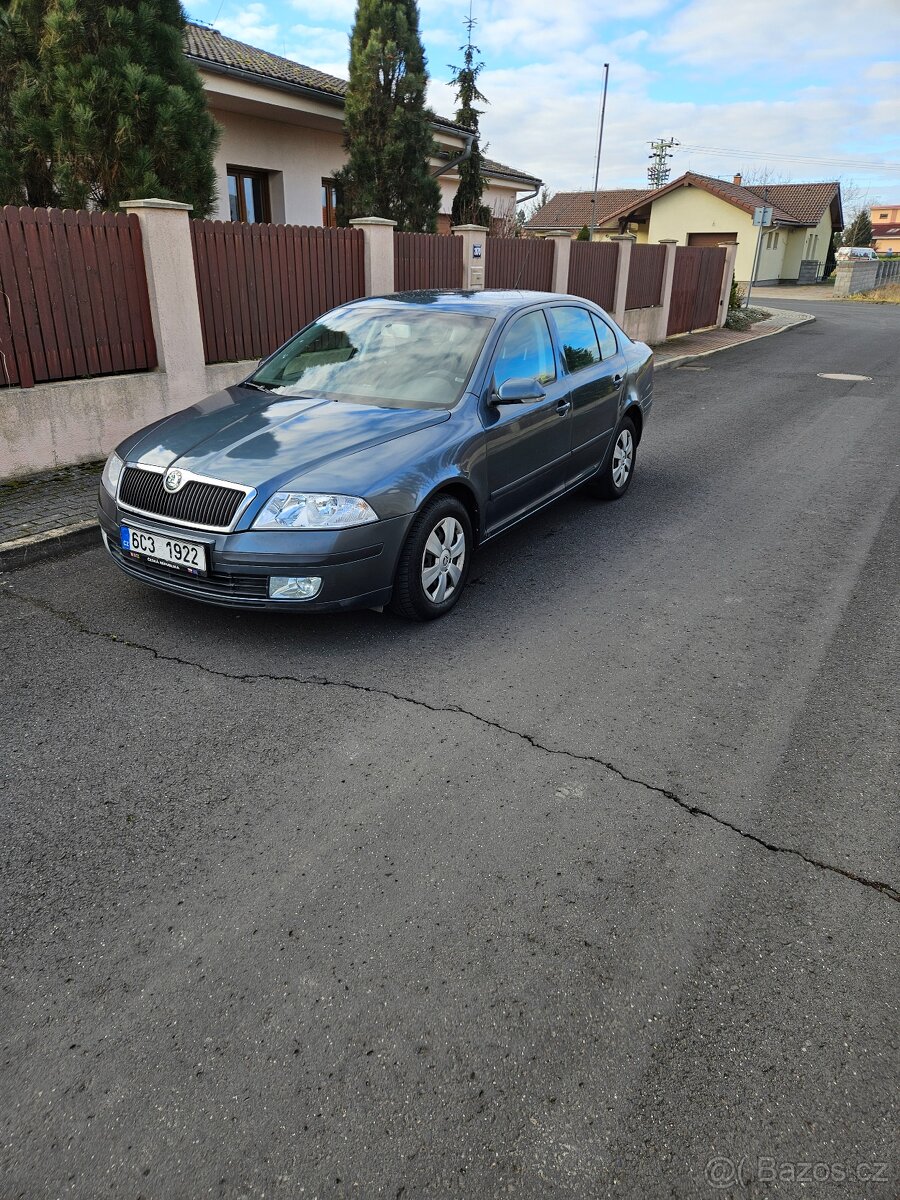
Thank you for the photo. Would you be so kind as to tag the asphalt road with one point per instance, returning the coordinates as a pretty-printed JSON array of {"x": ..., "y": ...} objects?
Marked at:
[{"x": 567, "y": 895}]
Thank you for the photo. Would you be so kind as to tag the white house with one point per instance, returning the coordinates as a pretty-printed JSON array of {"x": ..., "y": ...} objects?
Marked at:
[{"x": 282, "y": 128}]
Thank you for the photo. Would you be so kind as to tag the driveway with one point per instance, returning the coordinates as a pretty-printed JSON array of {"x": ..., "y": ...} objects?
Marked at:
[{"x": 589, "y": 890}]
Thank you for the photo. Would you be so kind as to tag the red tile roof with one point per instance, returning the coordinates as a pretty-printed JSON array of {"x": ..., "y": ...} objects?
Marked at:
[
  {"x": 572, "y": 210},
  {"x": 800, "y": 204}
]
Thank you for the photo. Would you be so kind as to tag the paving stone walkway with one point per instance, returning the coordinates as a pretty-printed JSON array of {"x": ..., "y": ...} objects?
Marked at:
[{"x": 45, "y": 504}]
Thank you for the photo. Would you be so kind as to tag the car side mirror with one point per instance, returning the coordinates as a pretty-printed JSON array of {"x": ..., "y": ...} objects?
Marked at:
[{"x": 518, "y": 391}]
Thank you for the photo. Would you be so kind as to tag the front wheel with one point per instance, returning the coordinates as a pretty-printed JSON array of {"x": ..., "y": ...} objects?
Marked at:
[
  {"x": 434, "y": 562},
  {"x": 614, "y": 477}
]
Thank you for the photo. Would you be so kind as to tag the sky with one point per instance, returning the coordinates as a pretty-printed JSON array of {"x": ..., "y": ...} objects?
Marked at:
[{"x": 780, "y": 90}]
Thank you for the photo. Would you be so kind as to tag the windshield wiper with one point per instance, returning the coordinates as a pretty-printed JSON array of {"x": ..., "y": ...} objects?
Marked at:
[{"x": 259, "y": 387}]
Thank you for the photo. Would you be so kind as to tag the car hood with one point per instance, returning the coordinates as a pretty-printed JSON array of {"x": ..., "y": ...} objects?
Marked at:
[{"x": 242, "y": 436}]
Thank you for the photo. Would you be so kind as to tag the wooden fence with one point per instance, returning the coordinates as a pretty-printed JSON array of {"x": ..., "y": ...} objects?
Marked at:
[
  {"x": 592, "y": 272},
  {"x": 427, "y": 260},
  {"x": 73, "y": 296},
  {"x": 525, "y": 263},
  {"x": 645, "y": 276},
  {"x": 696, "y": 288},
  {"x": 259, "y": 284}
]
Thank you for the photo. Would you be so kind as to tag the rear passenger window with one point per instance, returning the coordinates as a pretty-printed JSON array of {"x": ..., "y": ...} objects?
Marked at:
[
  {"x": 605, "y": 337},
  {"x": 579, "y": 341}
]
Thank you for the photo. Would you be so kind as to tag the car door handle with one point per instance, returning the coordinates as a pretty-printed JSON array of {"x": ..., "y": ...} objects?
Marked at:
[
  {"x": 563, "y": 407},
  {"x": 617, "y": 378}
]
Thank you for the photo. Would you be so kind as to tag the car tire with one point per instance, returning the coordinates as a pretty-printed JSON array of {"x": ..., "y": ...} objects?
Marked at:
[
  {"x": 434, "y": 565},
  {"x": 614, "y": 478}
]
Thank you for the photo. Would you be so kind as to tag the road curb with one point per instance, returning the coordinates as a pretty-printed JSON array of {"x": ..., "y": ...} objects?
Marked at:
[
  {"x": 807, "y": 319},
  {"x": 51, "y": 544}
]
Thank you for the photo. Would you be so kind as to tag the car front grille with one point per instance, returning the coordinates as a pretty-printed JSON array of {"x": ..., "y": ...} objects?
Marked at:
[
  {"x": 213, "y": 586},
  {"x": 210, "y": 505}
]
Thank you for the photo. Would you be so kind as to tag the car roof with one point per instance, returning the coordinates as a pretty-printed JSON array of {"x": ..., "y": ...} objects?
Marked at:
[{"x": 491, "y": 302}]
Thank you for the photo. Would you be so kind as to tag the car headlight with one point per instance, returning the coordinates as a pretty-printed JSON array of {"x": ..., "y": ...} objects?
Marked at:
[
  {"x": 112, "y": 473},
  {"x": 313, "y": 510}
]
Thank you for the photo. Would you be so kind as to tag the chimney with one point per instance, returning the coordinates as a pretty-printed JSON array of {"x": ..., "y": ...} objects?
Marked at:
[{"x": 737, "y": 179}]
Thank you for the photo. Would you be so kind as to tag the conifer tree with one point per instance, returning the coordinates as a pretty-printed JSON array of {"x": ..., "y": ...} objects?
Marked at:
[
  {"x": 25, "y": 170},
  {"x": 387, "y": 128},
  {"x": 467, "y": 206},
  {"x": 859, "y": 231},
  {"x": 111, "y": 105}
]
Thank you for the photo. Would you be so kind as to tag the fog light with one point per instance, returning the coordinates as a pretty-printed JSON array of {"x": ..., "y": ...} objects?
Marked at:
[{"x": 294, "y": 587}]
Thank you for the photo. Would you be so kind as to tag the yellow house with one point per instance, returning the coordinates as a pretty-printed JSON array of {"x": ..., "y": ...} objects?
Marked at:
[
  {"x": 886, "y": 228},
  {"x": 698, "y": 210}
]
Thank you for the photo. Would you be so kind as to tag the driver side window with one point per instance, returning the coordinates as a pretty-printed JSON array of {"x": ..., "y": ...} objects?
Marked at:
[{"x": 526, "y": 352}]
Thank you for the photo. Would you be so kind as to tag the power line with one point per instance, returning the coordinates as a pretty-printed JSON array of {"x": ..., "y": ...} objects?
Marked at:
[{"x": 850, "y": 164}]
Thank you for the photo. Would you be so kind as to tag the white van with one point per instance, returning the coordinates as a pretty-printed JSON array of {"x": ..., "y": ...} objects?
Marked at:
[{"x": 849, "y": 253}]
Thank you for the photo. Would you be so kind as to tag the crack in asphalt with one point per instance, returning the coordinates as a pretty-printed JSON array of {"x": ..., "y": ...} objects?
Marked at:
[{"x": 694, "y": 810}]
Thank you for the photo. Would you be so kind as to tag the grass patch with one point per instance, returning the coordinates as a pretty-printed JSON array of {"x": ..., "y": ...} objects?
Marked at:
[{"x": 889, "y": 294}]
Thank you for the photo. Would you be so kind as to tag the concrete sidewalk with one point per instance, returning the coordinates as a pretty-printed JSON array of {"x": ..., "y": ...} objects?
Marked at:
[{"x": 56, "y": 512}]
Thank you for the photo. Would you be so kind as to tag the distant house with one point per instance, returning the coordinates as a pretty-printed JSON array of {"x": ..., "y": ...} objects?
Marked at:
[
  {"x": 573, "y": 211},
  {"x": 698, "y": 210},
  {"x": 886, "y": 228},
  {"x": 282, "y": 129}
]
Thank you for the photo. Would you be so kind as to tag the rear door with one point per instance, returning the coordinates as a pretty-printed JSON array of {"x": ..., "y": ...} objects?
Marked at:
[
  {"x": 528, "y": 444},
  {"x": 596, "y": 369}
]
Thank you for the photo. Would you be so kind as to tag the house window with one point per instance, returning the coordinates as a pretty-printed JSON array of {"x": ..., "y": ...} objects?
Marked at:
[
  {"x": 330, "y": 201},
  {"x": 883, "y": 216},
  {"x": 248, "y": 195}
]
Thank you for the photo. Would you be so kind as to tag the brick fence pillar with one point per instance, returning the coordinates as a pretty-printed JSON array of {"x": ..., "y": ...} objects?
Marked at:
[
  {"x": 562, "y": 253},
  {"x": 172, "y": 285},
  {"x": 378, "y": 233},
  {"x": 475, "y": 254},
  {"x": 623, "y": 266}
]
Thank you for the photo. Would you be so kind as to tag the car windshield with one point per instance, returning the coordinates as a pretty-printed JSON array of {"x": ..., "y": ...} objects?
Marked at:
[{"x": 398, "y": 357}]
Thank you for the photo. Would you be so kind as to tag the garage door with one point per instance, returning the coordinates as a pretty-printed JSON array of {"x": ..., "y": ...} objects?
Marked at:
[{"x": 710, "y": 239}]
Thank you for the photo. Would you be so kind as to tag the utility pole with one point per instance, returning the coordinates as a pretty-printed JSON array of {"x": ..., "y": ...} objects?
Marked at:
[
  {"x": 599, "y": 148},
  {"x": 659, "y": 170}
]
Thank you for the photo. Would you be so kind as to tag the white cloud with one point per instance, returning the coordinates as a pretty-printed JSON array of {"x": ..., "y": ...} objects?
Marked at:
[
  {"x": 727, "y": 38},
  {"x": 247, "y": 25}
]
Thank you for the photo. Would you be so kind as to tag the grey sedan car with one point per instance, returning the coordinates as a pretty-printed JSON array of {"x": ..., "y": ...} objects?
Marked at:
[{"x": 364, "y": 462}]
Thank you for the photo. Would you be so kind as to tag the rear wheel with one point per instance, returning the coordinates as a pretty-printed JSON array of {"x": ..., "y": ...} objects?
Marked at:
[
  {"x": 614, "y": 477},
  {"x": 434, "y": 562}
]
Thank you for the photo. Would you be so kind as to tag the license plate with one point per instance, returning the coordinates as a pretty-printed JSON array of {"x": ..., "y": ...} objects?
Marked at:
[{"x": 167, "y": 551}]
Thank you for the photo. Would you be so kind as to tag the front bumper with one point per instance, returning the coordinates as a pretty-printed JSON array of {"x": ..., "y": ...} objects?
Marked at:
[{"x": 357, "y": 566}]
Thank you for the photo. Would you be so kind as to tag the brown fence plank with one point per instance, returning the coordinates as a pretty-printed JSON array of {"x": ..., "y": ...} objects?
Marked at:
[
  {"x": 523, "y": 263},
  {"x": 592, "y": 272},
  {"x": 16, "y": 354},
  {"x": 696, "y": 281},
  {"x": 83, "y": 231},
  {"x": 54, "y": 293},
  {"x": 118, "y": 322},
  {"x": 75, "y": 295},
  {"x": 27, "y": 299},
  {"x": 645, "y": 276},
  {"x": 35, "y": 259}
]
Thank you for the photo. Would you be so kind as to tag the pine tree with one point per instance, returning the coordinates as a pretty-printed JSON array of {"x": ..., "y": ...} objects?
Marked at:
[
  {"x": 584, "y": 234},
  {"x": 111, "y": 105},
  {"x": 859, "y": 231},
  {"x": 25, "y": 171},
  {"x": 467, "y": 207},
  {"x": 387, "y": 128}
]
